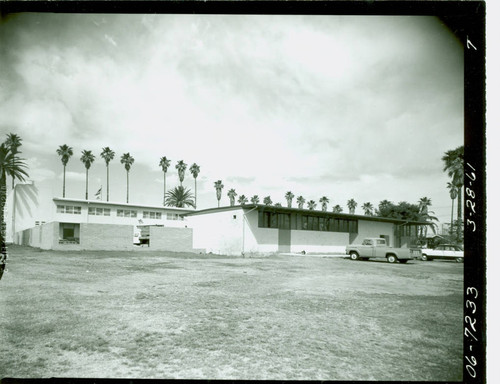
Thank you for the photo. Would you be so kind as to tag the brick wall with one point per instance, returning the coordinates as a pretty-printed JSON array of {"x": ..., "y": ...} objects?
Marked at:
[{"x": 171, "y": 239}]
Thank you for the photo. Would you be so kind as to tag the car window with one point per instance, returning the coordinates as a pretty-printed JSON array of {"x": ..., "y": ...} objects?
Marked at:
[
  {"x": 439, "y": 248},
  {"x": 381, "y": 242},
  {"x": 367, "y": 242}
]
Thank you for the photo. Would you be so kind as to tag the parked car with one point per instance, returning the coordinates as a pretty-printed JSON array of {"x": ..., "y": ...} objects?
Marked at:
[
  {"x": 378, "y": 248},
  {"x": 445, "y": 252}
]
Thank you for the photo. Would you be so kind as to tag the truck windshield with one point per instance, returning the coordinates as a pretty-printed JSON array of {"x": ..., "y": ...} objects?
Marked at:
[{"x": 367, "y": 242}]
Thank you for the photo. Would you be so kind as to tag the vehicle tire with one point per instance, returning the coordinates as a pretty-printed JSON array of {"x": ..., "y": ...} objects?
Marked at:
[
  {"x": 424, "y": 257},
  {"x": 403, "y": 261},
  {"x": 392, "y": 258},
  {"x": 354, "y": 256},
  {"x": 459, "y": 259}
]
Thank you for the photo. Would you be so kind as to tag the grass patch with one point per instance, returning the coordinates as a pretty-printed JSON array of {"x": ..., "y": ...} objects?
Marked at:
[{"x": 149, "y": 315}]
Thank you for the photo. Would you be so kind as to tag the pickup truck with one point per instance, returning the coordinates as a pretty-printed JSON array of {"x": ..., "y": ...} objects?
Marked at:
[{"x": 378, "y": 248}]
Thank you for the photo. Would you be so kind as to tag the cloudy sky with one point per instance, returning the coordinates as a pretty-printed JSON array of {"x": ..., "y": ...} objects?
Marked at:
[{"x": 337, "y": 106}]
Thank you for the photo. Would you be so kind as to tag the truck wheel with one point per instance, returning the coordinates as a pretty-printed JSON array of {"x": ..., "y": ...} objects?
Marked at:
[
  {"x": 392, "y": 258},
  {"x": 424, "y": 257},
  {"x": 459, "y": 260},
  {"x": 354, "y": 255}
]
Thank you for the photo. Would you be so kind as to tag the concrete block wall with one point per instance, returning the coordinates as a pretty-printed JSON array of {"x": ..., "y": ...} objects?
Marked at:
[
  {"x": 171, "y": 239},
  {"x": 105, "y": 237}
]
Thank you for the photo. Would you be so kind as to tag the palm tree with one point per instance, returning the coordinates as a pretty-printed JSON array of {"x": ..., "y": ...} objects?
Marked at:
[
  {"x": 107, "y": 154},
  {"x": 195, "y": 171},
  {"x": 181, "y": 169},
  {"x": 311, "y": 204},
  {"x": 454, "y": 165},
  {"x": 164, "y": 164},
  {"x": 453, "y": 195},
  {"x": 13, "y": 142},
  {"x": 301, "y": 201},
  {"x": 218, "y": 190},
  {"x": 351, "y": 204},
  {"x": 268, "y": 201},
  {"x": 289, "y": 198},
  {"x": 423, "y": 204},
  {"x": 384, "y": 207},
  {"x": 255, "y": 199},
  {"x": 127, "y": 160},
  {"x": 324, "y": 202},
  {"x": 337, "y": 209},
  {"x": 368, "y": 208},
  {"x": 65, "y": 152},
  {"x": 179, "y": 197},
  {"x": 15, "y": 167},
  {"x": 232, "y": 194},
  {"x": 87, "y": 159},
  {"x": 242, "y": 200}
]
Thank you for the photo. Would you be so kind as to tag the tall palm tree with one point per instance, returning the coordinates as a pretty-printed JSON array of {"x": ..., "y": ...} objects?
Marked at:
[
  {"x": 324, "y": 203},
  {"x": 164, "y": 164},
  {"x": 87, "y": 159},
  {"x": 289, "y": 198},
  {"x": 218, "y": 190},
  {"x": 255, "y": 199},
  {"x": 107, "y": 154},
  {"x": 127, "y": 160},
  {"x": 368, "y": 209},
  {"x": 242, "y": 200},
  {"x": 301, "y": 201},
  {"x": 179, "y": 197},
  {"x": 311, "y": 204},
  {"x": 181, "y": 169},
  {"x": 453, "y": 195},
  {"x": 13, "y": 142},
  {"x": 232, "y": 194},
  {"x": 454, "y": 165},
  {"x": 65, "y": 152},
  {"x": 15, "y": 167},
  {"x": 337, "y": 209},
  {"x": 268, "y": 201},
  {"x": 195, "y": 171},
  {"x": 351, "y": 204}
]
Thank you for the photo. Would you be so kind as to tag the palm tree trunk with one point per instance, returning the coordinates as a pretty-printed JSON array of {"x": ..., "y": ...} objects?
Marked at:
[
  {"x": 459, "y": 213},
  {"x": 107, "y": 182},
  {"x": 451, "y": 222},
  {"x": 64, "y": 181},
  {"x": 87, "y": 185},
  {"x": 164, "y": 187},
  {"x": 127, "y": 187},
  {"x": 195, "y": 194}
]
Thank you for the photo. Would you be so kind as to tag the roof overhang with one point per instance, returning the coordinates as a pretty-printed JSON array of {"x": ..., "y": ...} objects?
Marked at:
[{"x": 124, "y": 205}]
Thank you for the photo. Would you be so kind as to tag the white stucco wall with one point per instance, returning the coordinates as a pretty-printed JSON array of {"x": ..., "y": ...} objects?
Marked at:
[
  {"x": 318, "y": 242},
  {"x": 374, "y": 229}
]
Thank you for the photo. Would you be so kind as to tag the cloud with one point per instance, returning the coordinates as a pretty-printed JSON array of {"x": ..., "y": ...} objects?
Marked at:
[{"x": 74, "y": 176}]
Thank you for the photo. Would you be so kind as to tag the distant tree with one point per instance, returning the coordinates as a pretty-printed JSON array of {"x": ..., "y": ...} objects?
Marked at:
[
  {"x": 13, "y": 142},
  {"x": 301, "y": 201},
  {"x": 453, "y": 195},
  {"x": 232, "y": 195},
  {"x": 368, "y": 209},
  {"x": 454, "y": 166},
  {"x": 351, "y": 204},
  {"x": 268, "y": 201},
  {"x": 127, "y": 160},
  {"x": 11, "y": 165},
  {"x": 179, "y": 197},
  {"x": 289, "y": 198},
  {"x": 311, "y": 204},
  {"x": 164, "y": 164},
  {"x": 218, "y": 189},
  {"x": 324, "y": 202},
  {"x": 384, "y": 207},
  {"x": 65, "y": 152},
  {"x": 107, "y": 154},
  {"x": 255, "y": 199},
  {"x": 242, "y": 200},
  {"x": 195, "y": 171},
  {"x": 278, "y": 205},
  {"x": 337, "y": 209},
  {"x": 181, "y": 169},
  {"x": 87, "y": 159}
]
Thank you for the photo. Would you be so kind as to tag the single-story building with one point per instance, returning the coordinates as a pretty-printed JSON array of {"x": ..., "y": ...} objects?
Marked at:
[{"x": 265, "y": 229}]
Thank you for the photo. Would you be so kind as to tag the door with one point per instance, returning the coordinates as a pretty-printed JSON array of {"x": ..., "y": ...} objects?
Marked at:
[{"x": 284, "y": 240}]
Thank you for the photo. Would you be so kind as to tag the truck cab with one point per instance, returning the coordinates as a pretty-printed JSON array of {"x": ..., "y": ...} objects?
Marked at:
[{"x": 373, "y": 247}]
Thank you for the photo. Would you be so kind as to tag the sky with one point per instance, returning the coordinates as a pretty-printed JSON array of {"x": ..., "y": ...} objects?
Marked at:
[{"x": 338, "y": 106}]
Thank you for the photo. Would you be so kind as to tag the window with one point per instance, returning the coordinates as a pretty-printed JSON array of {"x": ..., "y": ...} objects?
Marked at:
[
  {"x": 125, "y": 213},
  {"x": 151, "y": 215},
  {"x": 69, "y": 209},
  {"x": 99, "y": 211}
]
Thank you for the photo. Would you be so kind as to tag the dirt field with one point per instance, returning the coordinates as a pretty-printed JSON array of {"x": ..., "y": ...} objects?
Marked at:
[{"x": 158, "y": 315}]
